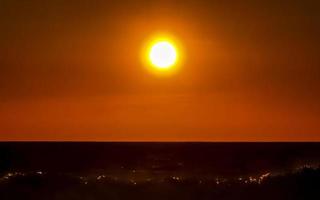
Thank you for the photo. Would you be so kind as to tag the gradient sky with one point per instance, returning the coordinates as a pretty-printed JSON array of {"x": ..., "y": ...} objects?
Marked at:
[{"x": 71, "y": 70}]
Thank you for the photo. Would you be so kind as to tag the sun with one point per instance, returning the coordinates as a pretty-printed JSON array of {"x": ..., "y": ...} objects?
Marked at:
[{"x": 163, "y": 55}]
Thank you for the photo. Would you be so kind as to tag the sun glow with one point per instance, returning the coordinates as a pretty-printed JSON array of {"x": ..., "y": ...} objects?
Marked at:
[{"x": 163, "y": 55}]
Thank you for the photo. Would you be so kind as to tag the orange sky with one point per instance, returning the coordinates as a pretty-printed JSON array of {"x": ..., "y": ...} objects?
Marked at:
[{"x": 72, "y": 71}]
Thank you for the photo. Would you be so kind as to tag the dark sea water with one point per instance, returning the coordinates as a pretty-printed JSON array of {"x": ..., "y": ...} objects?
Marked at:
[{"x": 63, "y": 170}]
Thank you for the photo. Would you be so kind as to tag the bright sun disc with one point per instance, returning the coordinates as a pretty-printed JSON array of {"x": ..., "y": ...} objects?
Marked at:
[{"x": 163, "y": 55}]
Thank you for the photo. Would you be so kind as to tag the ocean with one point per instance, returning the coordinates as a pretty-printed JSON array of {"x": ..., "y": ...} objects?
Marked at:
[{"x": 157, "y": 170}]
